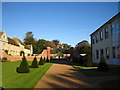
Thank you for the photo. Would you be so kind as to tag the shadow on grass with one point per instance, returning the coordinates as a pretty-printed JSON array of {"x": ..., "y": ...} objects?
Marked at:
[{"x": 110, "y": 84}]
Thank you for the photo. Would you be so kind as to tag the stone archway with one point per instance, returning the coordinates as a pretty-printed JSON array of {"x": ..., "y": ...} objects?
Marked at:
[{"x": 22, "y": 53}]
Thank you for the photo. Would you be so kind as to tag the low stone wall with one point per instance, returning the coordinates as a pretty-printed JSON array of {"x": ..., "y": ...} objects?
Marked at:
[{"x": 45, "y": 54}]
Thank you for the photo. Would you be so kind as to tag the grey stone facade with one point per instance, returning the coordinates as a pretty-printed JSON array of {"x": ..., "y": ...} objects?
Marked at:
[{"x": 106, "y": 41}]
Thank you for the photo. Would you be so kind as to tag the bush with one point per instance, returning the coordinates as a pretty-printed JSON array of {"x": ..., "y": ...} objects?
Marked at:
[
  {"x": 34, "y": 63},
  {"x": 51, "y": 58},
  {"x": 89, "y": 61},
  {"x": 44, "y": 60},
  {"x": 102, "y": 66},
  {"x": 24, "y": 67},
  {"x": 47, "y": 60},
  {"x": 4, "y": 59},
  {"x": 6, "y": 51},
  {"x": 41, "y": 62},
  {"x": 28, "y": 55}
]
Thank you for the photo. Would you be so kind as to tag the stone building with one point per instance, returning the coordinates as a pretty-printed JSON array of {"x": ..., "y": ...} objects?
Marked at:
[
  {"x": 105, "y": 41},
  {"x": 13, "y": 46}
]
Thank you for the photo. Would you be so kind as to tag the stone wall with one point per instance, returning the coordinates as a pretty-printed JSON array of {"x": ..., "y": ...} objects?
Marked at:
[{"x": 45, "y": 53}]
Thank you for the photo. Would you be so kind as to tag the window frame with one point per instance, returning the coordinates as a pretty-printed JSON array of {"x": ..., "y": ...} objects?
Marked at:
[
  {"x": 107, "y": 53},
  {"x": 97, "y": 36},
  {"x": 106, "y": 32},
  {"x": 97, "y": 54},
  {"x": 101, "y": 37}
]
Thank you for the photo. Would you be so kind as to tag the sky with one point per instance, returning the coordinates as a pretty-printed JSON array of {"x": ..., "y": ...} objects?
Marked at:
[{"x": 68, "y": 22}]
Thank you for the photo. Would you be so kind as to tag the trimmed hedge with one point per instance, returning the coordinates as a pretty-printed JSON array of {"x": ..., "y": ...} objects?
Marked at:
[
  {"x": 34, "y": 63},
  {"x": 47, "y": 60},
  {"x": 44, "y": 60},
  {"x": 102, "y": 65},
  {"x": 24, "y": 67},
  {"x": 41, "y": 62},
  {"x": 4, "y": 58}
]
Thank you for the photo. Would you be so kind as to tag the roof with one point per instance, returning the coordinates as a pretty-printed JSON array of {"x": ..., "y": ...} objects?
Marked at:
[
  {"x": 1, "y": 33},
  {"x": 19, "y": 40},
  {"x": 28, "y": 47},
  {"x": 11, "y": 41},
  {"x": 116, "y": 16}
]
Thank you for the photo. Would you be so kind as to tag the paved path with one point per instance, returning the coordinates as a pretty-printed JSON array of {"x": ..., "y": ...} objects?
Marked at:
[{"x": 65, "y": 76}]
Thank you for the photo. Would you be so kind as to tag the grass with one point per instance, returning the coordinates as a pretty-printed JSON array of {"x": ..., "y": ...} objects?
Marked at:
[
  {"x": 83, "y": 67},
  {"x": 113, "y": 70},
  {"x": 94, "y": 72},
  {"x": 110, "y": 84},
  {"x": 12, "y": 79}
]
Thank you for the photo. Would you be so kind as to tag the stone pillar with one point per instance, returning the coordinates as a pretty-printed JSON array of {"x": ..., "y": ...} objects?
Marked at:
[{"x": 48, "y": 52}]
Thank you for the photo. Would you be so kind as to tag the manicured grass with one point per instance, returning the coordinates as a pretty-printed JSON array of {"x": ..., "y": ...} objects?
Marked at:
[
  {"x": 12, "y": 79},
  {"x": 113, "y": 71},
  {"x": 110, "y": 84},
  {"x": 83, "y": 67},
  {"x": 0, "y": 74}
]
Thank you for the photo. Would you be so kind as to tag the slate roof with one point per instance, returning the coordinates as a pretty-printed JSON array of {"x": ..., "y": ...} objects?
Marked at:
[
  {"x": 11, "y": 41},
  {"x": 28, "y": 47},
  {"x": 116, "y": 16}
]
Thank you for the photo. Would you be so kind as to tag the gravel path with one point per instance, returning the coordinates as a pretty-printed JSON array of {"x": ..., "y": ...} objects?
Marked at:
[{"x": 65, "y": 76}]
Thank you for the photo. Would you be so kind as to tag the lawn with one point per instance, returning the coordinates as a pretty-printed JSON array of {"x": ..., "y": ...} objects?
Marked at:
[
  {"x": 12, "y": 79},
  {"x": 113, "y": 71},
  {"x": 110, "y": 84}
]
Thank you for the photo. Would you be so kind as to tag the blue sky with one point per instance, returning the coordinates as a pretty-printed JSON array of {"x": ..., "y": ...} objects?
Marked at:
[{"x": 69, "y": 22}]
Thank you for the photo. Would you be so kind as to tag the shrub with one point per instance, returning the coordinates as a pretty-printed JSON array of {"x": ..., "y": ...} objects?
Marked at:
[
  {"x": 24, "y": 67},
  {"x": 28, "y": 55},
  {"x": 4, "y": 59},
  {"x": 89, "y": 61},
  {"x": 44, "y": 60},
  {"x": 47, "y": 60},
  {"x": 51, "y": 58},
  {"x": 6, "y": 51},
  {"x": 34, "y": 63},
  {"x": 10, "y": 54},
  {"x": 102, "y": 66},
  {"x": 41, "y": 62}
]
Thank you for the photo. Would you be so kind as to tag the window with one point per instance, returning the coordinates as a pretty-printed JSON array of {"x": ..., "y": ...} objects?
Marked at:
[
  {"x": 97, "y": 54},
  {"x": 101, "y": 35},
  {"x": 107, "y": 53},
  {"x": 96, "y": 37},
  {"x": 101, "y": 52},
  {"x": 112, "y": 29},
  {"x": 106, "y": 33},
  {"x": 117, "y": 27},
  {"x": 113, "y": 50},
  {"x": 93, "y": 39}
]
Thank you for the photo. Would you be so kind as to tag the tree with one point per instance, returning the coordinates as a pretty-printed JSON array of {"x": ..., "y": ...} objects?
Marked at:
[
  {"x": 60, "y": 54},
  {"x": 47, "y": 60},
  {"x": 41, "y": 62},
  {"x": 83, "y": 47},
  {"x": 44, "y": 60},
  {"x": 30, "y": 40},
  {"x": 40, "y": 45},
  {"x": 56, "y": 42},
  {"x": 89, "y": 61},
  {"x": 24, "y": 67},
  {"x": 43, "y": 44},
  {"x": 34, "y": 63}
]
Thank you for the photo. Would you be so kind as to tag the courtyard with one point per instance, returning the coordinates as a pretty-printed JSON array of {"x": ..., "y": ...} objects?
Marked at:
[
  {"x": 59, "y": 45},
  {"x": 55, "y": 74}
]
